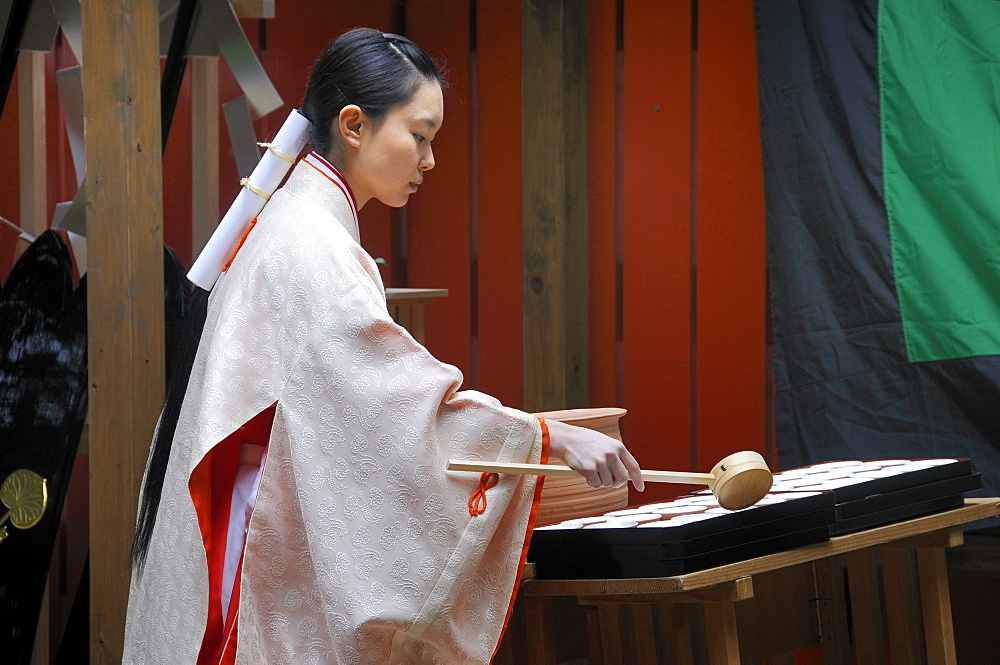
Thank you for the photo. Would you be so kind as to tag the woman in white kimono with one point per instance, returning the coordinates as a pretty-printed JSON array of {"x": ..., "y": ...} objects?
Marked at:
[{"x": 299, "y": 511}]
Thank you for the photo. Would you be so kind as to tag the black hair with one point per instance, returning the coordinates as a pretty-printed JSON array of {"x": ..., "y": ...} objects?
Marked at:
[
  {"x": 195, "y": 312},
  {"x": 370, "y": 69}
]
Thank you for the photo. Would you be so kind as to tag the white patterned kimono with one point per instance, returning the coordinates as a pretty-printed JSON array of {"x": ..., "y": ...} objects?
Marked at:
[{"x": 360, "y": 547}]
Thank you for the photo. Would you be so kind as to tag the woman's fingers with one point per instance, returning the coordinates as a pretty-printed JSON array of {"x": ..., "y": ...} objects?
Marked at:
[
  {"x": 634, "y": 471},
  {"x": 601, "y": 460},
  {"x": 591, "y": 475}
]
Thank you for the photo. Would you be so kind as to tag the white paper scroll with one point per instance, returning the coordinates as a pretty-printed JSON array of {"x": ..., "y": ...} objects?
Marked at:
[{"x": 266, "y": 177}]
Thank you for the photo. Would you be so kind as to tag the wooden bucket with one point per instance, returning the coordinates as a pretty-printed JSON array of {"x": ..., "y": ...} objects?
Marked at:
[{"x": 566, "y": 498}]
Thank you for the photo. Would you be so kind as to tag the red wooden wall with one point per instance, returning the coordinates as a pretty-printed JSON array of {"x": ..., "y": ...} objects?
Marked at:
[{"x": 677, "y": 280}]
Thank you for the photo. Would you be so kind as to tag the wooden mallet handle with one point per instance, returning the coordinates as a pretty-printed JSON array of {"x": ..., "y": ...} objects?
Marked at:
[
  {"x": 738, "y": 481},
  {"x": 561, "y": 470}
]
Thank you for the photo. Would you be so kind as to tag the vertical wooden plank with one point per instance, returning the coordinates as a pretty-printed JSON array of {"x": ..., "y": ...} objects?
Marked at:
[
  {"x": 602, "y": 159},
  {"x": 538, "y": 630},
  {"x": 554, "y": 145},
  {"x": 438, "y": 240},
  {"x": 125, "y": 290},
  {"x": 643, "y": 633},
  {"x": 47, "y": 629},
  {"x": 866, "y": 608},
  {"x": 576, "y": 357},
  {"x": 657, "y": 252},
  {"x": 418, "y": 325},
  {"x": 204, "y": 150},
  {"x": 787, "y": 597},
  {"x": 674, "y": 625},
  {"x": 835, "y": 639},
  {"x": 610, "y": 616},
  {"x": 720, "y": 628},
  {"x": 498, "y": 205},
  {"x": 902, "y": 606},
  {"x": 595, "y": 647},
  {"x": 935, "y": 599},
  {"x": 31, "y": 138},
  {"x": 730, "y": 363}
]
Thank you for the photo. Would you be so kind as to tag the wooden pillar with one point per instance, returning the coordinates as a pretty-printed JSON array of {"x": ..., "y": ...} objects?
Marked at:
[
  {"x": 121, "y": 102},
  {"x": 204, "y": 151},
  {"x": 554, "y": 203},
  {"x": 31, "y": 118}
]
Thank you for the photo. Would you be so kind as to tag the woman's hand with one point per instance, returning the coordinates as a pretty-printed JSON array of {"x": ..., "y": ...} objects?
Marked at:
[{"x": 603, "y": 461}]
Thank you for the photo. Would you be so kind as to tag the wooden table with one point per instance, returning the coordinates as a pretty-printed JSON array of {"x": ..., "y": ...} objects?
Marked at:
[
  {"x": 770, "y": 606},
  {"x": 406, "y": 306}
]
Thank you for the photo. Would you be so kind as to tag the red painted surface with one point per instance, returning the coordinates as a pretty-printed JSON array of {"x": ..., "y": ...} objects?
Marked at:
[
  {"x": 61, "y": 181},
  {"x": 731, "y": 290},
  {"x": 10, "y": 201},
  {"x": 438, "y": 243},
  {"x": 498, "y": 181},
  {"x": 603, "y": 121},
  {"x": 657, "y": 198}
]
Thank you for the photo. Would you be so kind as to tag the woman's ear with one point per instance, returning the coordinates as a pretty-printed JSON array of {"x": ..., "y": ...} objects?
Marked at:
[{"x": 350, "y": 124}]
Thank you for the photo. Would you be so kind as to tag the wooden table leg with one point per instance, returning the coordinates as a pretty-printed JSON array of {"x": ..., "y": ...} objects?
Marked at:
[
  {"x": 720, "y": 632},
  {"x": 611, "y": 633},
  {"x": 594, "y": 645},
  {"x": 402, "y": 316},
  {"x": 902, "y": 606},
  {"x": 674, "y": 623},
  {"x": 936, "y": 603},
  {"x": 866, "y": 608},
  {"x": 416, "y": 326},
  {"x": 643, "y": 633},
  {"x": 538, "y": 630},
  {"x": 831, "y": 608}
]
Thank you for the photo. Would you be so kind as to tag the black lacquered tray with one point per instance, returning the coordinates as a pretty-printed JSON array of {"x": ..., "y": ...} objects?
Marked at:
[
  {"x": 692, "y": 532},
  {"x": 805, "y": 506}
]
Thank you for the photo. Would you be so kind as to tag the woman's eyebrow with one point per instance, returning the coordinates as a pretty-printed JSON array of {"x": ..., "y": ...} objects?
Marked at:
[{"x": 427, "y": 120}]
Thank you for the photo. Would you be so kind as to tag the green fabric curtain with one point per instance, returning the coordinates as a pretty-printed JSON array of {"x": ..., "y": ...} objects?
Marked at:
[{"x": 939, "y": 69}]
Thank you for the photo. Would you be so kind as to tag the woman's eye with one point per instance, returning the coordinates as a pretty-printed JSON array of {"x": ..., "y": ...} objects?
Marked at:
[{"x": 420, "y": 139}]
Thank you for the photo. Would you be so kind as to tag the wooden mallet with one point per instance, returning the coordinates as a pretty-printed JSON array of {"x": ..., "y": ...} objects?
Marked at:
[{"x": 738, "y": 481}]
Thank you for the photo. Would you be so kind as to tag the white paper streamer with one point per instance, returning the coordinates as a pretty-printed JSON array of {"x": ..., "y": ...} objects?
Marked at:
[{"x": 268, "y": 174}]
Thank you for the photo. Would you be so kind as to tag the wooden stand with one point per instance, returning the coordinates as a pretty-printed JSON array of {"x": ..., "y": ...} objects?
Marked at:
[
  {"x": 406, "y": 307},
  {"x": 771, "y": 606}
]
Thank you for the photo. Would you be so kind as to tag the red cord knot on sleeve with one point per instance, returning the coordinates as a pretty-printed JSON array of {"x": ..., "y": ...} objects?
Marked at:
[{"x": 477, "y": 502}]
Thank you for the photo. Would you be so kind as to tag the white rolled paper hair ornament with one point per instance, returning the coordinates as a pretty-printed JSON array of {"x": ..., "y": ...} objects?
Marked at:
[{"x": 257, "y": 189}]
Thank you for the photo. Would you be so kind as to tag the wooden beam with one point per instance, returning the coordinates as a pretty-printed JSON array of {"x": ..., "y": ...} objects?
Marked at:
[
  {"x": 31, "y": 119},
  {"x": 204, "y": 151},
  {"x": 121, "y": 102},
  {"x": 554, "y": 204},
  {"x": 254, "y": 8}
]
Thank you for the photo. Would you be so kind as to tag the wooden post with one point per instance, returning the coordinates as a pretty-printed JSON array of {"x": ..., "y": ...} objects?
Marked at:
[
  {"x": 932, "y": 570},
  {"x": 33, "y": 219},
  {"x": 204, "y": 151},
  {"x": 866, "y": 607},
  {"x": 31, "y": 118},
  {"x": 720, "y": 626},
  {"x": 121, "y": 102},
  {"x": 554, "y": 204},
  {"x": 902, "y": 607}
]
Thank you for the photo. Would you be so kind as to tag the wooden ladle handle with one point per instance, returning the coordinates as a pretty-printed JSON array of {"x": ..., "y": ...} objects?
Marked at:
[{"x": 561, "y": 470}]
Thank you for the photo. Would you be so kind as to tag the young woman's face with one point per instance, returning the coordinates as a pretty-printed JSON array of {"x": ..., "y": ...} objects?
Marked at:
[{"x": 391, "y": 160}]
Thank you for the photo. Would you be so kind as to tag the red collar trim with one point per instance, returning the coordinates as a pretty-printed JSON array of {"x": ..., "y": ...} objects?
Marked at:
[{"x": 316, "y": 161}]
